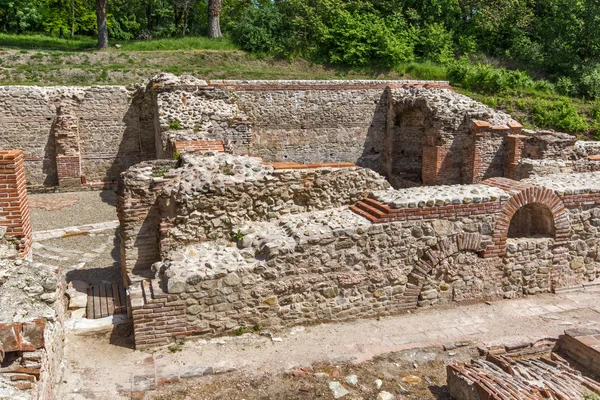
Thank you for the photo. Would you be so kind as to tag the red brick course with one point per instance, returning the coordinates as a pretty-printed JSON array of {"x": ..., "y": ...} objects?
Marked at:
[
  {"x": 199, "y": 145},
  {"x": 378, "y": 213},
  {"x": 158, "y": 318},
  {"x": 14, "y": 205},
  {"x": 305, "y": 87}
]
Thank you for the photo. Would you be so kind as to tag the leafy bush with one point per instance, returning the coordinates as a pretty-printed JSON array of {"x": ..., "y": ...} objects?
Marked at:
[
  {"x": 565, "y": 86},
  {"x": 487, "y": 78},
  {"x": 435, "y": 44},
  {"x": 544, "y": 86},
  {"x": 561, "y": 115},
  {"x": 589, "y": 83},
  {"x": 359, "y": 39},
  {"x": 259, "y": 30}
]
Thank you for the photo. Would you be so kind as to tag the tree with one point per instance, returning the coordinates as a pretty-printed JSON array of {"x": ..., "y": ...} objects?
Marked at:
[
  {"x": 102, "y": 25},
  {"x": 214, "y": 23},
  {"x": 184, "y": 7}
]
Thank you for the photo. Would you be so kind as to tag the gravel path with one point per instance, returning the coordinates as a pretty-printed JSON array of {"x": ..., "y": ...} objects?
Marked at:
[{"x": 90, "y": 207}]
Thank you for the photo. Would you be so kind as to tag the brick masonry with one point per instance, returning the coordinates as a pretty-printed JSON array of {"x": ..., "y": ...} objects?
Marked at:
[
  {"x": 582, "y": 346},
  {"x": 14, "y": 206}
]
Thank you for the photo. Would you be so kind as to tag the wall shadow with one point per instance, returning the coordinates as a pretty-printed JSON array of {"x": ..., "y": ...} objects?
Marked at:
[
  {"x": 372, "y": 156},
  {"x": 138, "y": 139},
  {"x": 49, "y": 159}
]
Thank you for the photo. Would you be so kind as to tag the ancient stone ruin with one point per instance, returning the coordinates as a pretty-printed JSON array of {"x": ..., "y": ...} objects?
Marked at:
[{"x": 279, "y": 203}]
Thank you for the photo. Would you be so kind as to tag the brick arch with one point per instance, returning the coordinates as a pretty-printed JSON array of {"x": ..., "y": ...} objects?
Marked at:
[
  {"x": 521, "y": 196},
  {"x": 432, "y": 257}
]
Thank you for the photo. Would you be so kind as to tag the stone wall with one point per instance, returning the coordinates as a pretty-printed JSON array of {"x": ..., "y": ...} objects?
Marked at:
[
  {"x": 293, "y": 252},
  {"x": 212, "y": 195},
  {"x": 82, "y": 134},
  {"x": 300, "y": 121},
  {"x": 436, "y": 136},
  {"x": 31, "y": 327}
]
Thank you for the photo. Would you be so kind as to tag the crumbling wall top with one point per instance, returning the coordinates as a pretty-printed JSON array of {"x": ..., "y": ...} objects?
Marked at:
[
  {"x": 569, "y": 183},
  {"x": 429, "y": 196},
  {"x": 449, "y": 107}
]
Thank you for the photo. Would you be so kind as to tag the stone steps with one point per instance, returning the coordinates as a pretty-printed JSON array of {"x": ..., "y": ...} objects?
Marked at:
[{"x": 371, "y": 210}]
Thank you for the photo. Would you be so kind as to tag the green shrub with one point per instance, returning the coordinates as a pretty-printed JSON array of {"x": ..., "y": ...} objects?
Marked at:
[
  {"x": 359, "y": 39},
  {"x": 564, "y": 85},
  {"x": 595, "y": 111},
  {"x": 544, "y": 86},
  {"x": 489, "y": 79},
  {"x": 259, "y": 30},
  {"x": 435, "y": 43},
  {"x": 175, "y": 125},
  {"x": 589, "y": 83},
  {"x": 560, "y": 115}
]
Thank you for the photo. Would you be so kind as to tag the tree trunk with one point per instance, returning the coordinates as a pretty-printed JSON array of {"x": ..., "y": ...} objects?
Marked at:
[
  {"x": 149, "y": 15},
  {"x": 102, "y": 26},
  {"x": 185, "y": 19},
  {"x": 214, "y": 23},
  {"x": 72, "y": 18},
  {"x": 61, "y": 33}
]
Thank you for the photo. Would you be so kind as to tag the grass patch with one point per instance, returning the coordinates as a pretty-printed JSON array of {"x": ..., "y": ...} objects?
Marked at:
[
  {"x": 186, "y": 43},
  {"x": 80, "y": 43},
  {"x": 40, "y": 42},
  {"x": 424, "y": 71}
]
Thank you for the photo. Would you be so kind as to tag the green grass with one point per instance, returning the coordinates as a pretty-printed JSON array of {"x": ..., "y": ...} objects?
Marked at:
[
  {"x": 80, "y": 43},
  {"x": 42, "y": 42},
  {"x": 536, "y": 109},
  {"x": 187, "y": 43},
  {"x": 424, "y": 70}
]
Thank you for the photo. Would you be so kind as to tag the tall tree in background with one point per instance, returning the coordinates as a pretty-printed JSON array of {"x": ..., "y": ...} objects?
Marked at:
[
  {"x": 102, "y": 25},
  {"x": 214, "y": 23}
]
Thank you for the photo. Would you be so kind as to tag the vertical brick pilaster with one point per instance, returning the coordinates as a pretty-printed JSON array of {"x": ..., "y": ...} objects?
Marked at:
[
  {"x": 14, "y": 204},
  {"x": 514, "y": 151},
  {"x": 68, "y": 155},
  {"x": 476, "y": 165},
  {"x": 433, "y": 161}
]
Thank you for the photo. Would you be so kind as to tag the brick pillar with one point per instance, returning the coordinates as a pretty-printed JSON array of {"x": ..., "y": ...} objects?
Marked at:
[
  {"x": 14, "y": 204},
  {"x": 514, "y": 149},
  {"x": 68, "y": 155},
  {"x": 476, "y": 163},
  {"x": 433, "y": 159}
]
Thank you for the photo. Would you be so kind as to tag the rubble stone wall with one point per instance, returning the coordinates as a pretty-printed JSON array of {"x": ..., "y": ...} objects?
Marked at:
[
  {"x": 246, "y": 190},
  {"x": 300, "y": 121},
  {"x": 416, "y": 247},
  {"x": 110, "y": 129}
]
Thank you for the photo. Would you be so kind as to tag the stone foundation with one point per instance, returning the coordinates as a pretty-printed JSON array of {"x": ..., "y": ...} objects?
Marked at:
[{"x": 330, "y": 244}]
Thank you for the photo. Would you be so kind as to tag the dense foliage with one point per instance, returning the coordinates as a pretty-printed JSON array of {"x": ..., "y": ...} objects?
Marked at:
[{"x": 483, "y": 44}]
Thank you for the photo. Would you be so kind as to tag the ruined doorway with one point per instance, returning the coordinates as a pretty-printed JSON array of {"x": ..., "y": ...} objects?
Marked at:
[{"x": 406, "y": 137}]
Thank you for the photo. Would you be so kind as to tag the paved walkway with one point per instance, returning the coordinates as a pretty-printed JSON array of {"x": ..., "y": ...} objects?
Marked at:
[
  {"x": 116, "y": 372},
  {"x": 75, "y": 230}
]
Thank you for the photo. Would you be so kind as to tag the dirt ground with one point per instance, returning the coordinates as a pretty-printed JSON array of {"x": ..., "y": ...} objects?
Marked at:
[{"x": 413, "y": 374}]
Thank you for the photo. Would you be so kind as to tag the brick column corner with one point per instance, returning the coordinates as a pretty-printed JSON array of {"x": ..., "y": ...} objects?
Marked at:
[
  {"x": 14, "y": 203},
  {"x": 68, "y": 155},
  {"x": 433, "y": 160},
  {"x": 514, "y": 149}
]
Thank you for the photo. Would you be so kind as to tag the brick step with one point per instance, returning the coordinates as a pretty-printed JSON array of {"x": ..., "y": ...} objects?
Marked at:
[
  {"x": 365, "y": 214},
  {"x": 371, "y": 210},
  {"x": 374, "y": 203}
]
